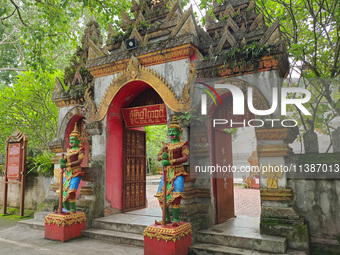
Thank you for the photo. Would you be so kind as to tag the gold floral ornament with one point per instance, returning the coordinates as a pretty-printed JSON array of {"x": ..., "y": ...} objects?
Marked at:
[
  {"x": 272, "y": 173},
  {"x": 67, "y": 219},
  {"x": 168, "y": 234}
]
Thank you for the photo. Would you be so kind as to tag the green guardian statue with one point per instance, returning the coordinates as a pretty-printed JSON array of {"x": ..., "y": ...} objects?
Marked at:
[
  {"x": 73, "y": 173},
  {"x": 173, "y": 155}
]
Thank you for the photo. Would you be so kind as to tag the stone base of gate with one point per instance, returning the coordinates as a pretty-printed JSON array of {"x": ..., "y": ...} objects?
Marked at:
[{"x": 280, "y": 218}]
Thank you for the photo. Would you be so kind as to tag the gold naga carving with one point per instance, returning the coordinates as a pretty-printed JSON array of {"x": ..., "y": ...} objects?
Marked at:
[{"x": 135, "y": 71}]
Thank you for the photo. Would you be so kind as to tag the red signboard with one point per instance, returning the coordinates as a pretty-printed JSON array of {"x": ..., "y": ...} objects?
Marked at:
[
  {"x": 15, "y": 168},
  {"x": 145, "y": 115},
  {"x": 13, "y": 164}
]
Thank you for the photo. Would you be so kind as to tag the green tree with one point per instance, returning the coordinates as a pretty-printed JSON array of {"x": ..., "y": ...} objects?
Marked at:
[
  {"x": 155, "y": 136},
  {"x": 28, "y": 105},
  {"x": 43, "y": 34}
]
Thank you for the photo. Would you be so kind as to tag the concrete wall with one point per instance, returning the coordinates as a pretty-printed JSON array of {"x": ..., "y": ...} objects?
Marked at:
[
  {"x": 319, "y": 202},
  {"x": 36, "y": 190}
]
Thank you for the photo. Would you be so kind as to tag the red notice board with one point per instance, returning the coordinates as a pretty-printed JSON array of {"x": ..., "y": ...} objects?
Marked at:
[{"x": 15, "y": 167}]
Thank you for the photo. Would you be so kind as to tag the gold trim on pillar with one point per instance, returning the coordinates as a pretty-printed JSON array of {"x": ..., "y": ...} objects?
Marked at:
[
  {"x": 276, "y": 150},
  {"x": 133, "y": 72},
  {"x": 286, "y": 134},
  {"x": 276, "y": 194}
]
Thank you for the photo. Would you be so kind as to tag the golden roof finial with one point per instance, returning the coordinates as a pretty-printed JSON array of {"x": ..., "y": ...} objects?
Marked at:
[{"x": 75, "y": 132}]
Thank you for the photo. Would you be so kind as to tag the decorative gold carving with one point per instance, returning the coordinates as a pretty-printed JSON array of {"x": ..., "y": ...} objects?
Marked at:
[
  {"x": 157, "y": 82},
  {"x": 168, "y": 234},
  {"x": 57, "y": 174},
  {"x": 267, "y": 63},
  {"x": 276, "y": 194},
  {"x": 186, "y": 99},
  {"x": 282, "y": 150},
  {"x": 286, "y": 134},
  {"x": 154, "y": 58},
  {"x": 272, "y": 172},
  {"x": 68, "y": 102},
  {"x": 133, "y": 64},
  {"x": 67, "y": 219}
]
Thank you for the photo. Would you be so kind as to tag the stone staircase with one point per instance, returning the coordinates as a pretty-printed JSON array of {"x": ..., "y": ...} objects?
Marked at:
[
  {"x": 239, "y": 236},
  {"x": 36, "y": 223},
  {"x": 124, "y": 228}
]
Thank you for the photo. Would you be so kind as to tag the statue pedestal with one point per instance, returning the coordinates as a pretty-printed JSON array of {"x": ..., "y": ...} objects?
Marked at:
[
  {"x": 167, "y": 240},
  {"x": 64, "y": 227}
]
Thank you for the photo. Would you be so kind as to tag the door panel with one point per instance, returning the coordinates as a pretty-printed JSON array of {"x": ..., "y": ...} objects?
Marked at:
[
  {"x": 224, "y": 185},
  {"x": 134, "y": 177}
]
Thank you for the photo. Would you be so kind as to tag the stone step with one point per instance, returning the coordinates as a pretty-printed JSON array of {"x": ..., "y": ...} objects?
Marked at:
[
  {"x": 242, "y": 232},
  {"x": 212, "y": 249},
  {"x": 128, "y": 223},
  {"x": 40, "y": 216},
  {"x": 114, "y": 236},
  {"x": 33, "y": 224},
  {"x": 248, "y": 240}
]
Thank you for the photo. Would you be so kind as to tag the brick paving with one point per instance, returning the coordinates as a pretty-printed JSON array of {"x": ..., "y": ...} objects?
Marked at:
[{"x": 247, "y": 201}]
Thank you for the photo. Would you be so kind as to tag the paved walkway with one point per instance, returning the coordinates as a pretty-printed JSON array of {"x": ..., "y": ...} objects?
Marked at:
[
  {"x": 18, "y": 240},
  {"x": 247, "y": 201}
]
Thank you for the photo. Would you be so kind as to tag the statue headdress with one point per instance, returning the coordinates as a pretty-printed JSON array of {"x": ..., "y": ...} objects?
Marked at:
[
  {"x": 175, "y": 124},
  {"x": 75, "y": 132}
]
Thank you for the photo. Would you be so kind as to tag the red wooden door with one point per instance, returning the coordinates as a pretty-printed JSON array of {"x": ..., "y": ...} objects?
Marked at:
[
  {"x": 223, "y": 182},
  {"x": 134, "y": 177}
]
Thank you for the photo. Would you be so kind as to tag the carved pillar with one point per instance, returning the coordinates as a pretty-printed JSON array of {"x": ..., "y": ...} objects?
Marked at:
[{"x": 279, "y": 216}]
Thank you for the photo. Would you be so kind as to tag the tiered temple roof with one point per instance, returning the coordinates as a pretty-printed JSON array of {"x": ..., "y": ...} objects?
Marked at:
[{"x": 164, "y": 31}]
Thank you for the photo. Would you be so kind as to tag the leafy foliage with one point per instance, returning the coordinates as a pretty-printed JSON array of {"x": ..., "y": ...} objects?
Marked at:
[
  {"x": 40, "y": 164},
  {"x": 155, "y": 136},
  {"x": 245, "y": 56},
  {"x": 43, "y": 34},
  {"x": 28, "y": 106}
]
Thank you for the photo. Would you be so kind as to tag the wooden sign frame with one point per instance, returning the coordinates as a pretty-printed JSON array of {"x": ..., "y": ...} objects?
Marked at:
[{"x": 15, "y": 167}]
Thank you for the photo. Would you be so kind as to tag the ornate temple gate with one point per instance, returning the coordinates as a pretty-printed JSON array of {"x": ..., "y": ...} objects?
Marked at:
[{"x": 134, "y": 174}]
